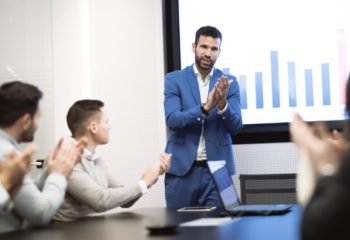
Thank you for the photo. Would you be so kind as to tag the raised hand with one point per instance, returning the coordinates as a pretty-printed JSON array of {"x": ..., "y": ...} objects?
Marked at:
[
  {"x": 323, "y": 149},
  {"x": 150, "y": 176},
  {"x": 221, "y": 89},
  {"x": 211, "y": 101},
  {"x": 14, "y": 167},
  {"x": 65, "y": 156},
  {"x": 165, "y": 162}
]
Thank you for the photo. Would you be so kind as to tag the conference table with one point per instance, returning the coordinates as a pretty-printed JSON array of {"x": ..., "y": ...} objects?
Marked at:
[{"x": 134, "y": 223}]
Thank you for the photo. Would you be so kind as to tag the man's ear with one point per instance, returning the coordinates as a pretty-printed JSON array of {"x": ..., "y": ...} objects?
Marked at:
[
  {"x": 93, "y": 127},
  {"x": 193, "y": 47},
  {"x": 26, "y": 121}
]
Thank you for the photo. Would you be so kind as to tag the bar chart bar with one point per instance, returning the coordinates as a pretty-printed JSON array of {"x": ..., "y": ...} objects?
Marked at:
[
  {"x": 326, "y": 89},
  {"x": 275, "y": 79},
  {"x": 242, "y": 81},
  {"x": 309, "y": 88},
  {"x": 292, "y": 84},
  {"x": 259, "y": 90}
]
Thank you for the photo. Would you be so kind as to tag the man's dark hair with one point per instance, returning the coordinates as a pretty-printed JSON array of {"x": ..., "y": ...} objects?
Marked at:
[
  {"x": 17, "y": 99},
  {"x": 80, "y": 112},
  {"x": 208, "y": 31}
]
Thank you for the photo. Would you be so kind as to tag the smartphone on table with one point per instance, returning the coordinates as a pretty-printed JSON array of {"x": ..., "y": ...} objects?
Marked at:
[{"x": 196, "y": 209}]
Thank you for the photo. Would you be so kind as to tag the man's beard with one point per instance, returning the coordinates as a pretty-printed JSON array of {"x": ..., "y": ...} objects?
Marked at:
[
  {"x": 28, "y": 135},
  {"x": 205, "y": 67}
]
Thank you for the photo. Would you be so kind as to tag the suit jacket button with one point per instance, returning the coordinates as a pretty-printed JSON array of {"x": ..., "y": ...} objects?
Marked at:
[{"x": 198, "y": 119}]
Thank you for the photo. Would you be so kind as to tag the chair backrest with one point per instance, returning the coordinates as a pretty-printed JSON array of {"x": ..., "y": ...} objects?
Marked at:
[{"x": 268, "y": 188}]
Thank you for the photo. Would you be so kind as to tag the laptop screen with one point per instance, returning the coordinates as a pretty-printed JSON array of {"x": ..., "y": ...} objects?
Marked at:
[{"x": 224, "y": 184}]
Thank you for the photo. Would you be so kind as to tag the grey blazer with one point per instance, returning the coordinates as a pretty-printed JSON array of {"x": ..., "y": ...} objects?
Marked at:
[{"x": 91, "y": 189}]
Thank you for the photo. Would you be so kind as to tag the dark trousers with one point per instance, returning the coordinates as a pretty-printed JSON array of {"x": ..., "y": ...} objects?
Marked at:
[{"x": 196, "y": 188}]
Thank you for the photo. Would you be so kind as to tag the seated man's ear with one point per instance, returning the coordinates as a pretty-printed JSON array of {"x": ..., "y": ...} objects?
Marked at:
[
  {"x": 93, "y": 127},
  {"x": 26, "y": 121}
]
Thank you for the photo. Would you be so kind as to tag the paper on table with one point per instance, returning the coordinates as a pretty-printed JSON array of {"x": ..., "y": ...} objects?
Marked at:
[{"x": 208, "y": 222}]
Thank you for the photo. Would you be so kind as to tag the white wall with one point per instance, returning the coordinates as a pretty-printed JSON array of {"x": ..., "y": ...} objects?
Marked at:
[
  {"x": 71, "y": 54},
  {"x": 25, "y": 47},
  {"x": 113, "y": 50},
  {"x": 127, "y": 74}
]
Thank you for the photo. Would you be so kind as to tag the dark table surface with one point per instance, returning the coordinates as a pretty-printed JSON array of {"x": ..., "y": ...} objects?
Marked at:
[{"x": 132, "y": 224}]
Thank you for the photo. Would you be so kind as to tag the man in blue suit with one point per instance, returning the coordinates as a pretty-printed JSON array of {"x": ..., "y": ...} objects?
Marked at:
[{"x": 202, "y": 111}]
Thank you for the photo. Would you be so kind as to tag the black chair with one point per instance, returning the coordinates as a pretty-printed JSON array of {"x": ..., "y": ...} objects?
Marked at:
[
  {"x": 268, "y": 188},
  {"x": 39, "y": 163}
]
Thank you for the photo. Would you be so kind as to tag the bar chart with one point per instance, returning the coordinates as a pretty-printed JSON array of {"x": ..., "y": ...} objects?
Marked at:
[
  {"x": 308, "y": 80},
  {"x": 292, "y": 90},
  {"x": 292, "y": 57}
]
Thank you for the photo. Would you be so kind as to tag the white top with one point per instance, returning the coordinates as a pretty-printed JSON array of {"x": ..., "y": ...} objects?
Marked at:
[
  {"x": 32, "y": 206},
  {"x": 204, "y": 92}
]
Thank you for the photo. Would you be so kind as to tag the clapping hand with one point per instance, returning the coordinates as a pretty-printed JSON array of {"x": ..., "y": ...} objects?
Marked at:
[
  {"x": 324, "y": 149},
  {"x": 221, "y": 89},
  {"x": 65, "y": 156},
  {"x": 218, "y": 95},
  {"x": 14, "y": 167},
  {"x": 165, "y": 162}
]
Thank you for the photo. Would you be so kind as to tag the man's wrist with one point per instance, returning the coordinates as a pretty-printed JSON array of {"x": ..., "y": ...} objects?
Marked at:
[
  {"x": 204, "y": 109},
  {"x": 222, "y": 105},
  {"x": 327, "y": 169},
  {"x": 5, "y": 183},
  {"x": 6, "y": 204},
  {"x": 143, "y": 186}
]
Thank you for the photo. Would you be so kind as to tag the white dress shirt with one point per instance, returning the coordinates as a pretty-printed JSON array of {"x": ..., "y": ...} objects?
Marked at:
[{"x": 204, "y": 92}]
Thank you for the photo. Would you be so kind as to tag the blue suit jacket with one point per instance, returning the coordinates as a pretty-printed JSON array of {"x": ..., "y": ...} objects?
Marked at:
[{"x": 185, "y": 119}]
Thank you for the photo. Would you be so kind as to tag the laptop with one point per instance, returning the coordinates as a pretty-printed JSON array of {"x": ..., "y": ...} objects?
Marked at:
[{"x": 230, "y": 198}]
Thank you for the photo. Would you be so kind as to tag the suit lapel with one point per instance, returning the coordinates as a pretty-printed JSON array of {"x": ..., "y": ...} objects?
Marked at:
[{"x": 192, "y": 81}]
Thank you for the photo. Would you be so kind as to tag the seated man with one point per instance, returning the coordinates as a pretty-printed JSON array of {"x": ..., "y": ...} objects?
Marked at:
[
  {"x": 35, "y": 202},
  {"x": 90, "y": 187}
]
